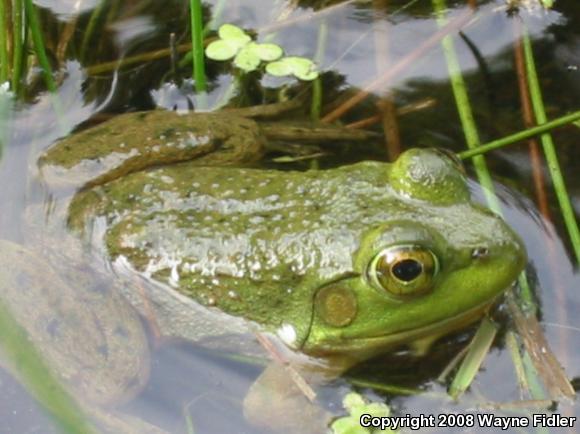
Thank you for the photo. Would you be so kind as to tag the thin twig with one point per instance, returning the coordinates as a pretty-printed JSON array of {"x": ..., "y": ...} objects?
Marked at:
[
  {"x": 399, "y": 67},
  {"x": 542, "y": 357},
  {"x": 528, "y": 116},
  {"x": 138, "y": 58},
  {"x": 297, "y": 379},
  {"x": 401, "y": 111},
  {"x": 386, "y": 105}
]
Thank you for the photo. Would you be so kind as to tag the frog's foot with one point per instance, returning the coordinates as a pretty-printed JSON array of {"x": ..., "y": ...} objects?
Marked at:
[{"x": 276, "y": 403}]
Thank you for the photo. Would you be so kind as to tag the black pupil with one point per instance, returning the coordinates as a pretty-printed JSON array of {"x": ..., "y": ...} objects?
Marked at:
[{"x": 407, "y": 270}]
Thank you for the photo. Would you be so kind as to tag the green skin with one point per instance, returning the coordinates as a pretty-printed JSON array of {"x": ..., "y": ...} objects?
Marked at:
[{"x": 290, "y": 251}]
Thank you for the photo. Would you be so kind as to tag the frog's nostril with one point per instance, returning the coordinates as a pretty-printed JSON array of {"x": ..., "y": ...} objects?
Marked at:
[{"x": 480, "y": 253}]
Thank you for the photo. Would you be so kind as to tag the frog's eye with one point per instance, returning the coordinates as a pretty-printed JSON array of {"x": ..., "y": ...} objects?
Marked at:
[{"x": 404, "y": 270}]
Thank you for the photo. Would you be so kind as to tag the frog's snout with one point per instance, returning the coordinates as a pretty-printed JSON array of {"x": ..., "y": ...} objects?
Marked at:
[{"x": 505, "y": 257}]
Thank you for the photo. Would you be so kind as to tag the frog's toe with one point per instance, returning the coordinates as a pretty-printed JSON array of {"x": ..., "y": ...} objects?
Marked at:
[{"x": 275, "y": 403}]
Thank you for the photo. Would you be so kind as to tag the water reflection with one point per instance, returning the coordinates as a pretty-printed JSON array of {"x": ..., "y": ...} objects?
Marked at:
[{"x": 351, "y": 55}]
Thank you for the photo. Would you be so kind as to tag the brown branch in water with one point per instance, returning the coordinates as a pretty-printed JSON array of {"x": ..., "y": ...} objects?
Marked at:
[
  {"x": 401, "y": 111},
  {"x": 64, "y": 41},
  {"x": 549, "y": 369},
  {"x": 313, "y": 133},
  {"x": 529, "y": 122},
  {"x": 297, "y": 379},
  {"x": 386, "y": 105},
  {"x": 399, "y": 67},
  {"x": 138, "y": 58},
  {"x": 390, "y": 127}
]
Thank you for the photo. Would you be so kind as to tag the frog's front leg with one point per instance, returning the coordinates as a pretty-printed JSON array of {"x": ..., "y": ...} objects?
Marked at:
[
  {"x": 135, "y": 141},
  {"x": 275, "y": 402}
]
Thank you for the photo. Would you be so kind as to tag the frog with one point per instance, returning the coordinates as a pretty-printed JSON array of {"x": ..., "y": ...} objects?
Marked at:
[{"x": 334, "y": 266}]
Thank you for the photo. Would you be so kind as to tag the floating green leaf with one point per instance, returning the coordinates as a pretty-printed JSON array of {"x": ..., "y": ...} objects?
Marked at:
[
  {"x": 221, "y": 50},
  {"x": 232, "y": 40},
  {"x": 269, "y": 52},
  {"x": 304, "y": 68},
  {"x": 301, "y": 67},
  {"x": 357, "y": 406},
  {"x": 247, "y": 59},
  {"x": 237, "y": 44},
  {"x": 279, "y": 68},
  {"x": 233, "y": 33},
  {"x": 252, "y": 54}
]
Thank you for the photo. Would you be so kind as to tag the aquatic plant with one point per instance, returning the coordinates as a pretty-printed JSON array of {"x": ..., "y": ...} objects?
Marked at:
[{"x": 234, "y": 43}]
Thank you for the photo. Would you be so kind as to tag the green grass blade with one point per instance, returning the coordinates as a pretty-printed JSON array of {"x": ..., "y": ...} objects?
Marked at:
[
  {"x": 478, "y": 349},
  {"x": 37, "y": 376},
  {"x": 197, "y": 46},
  {"x": 464, "y": 108},
  {"x": 94, "y": 20},
  {"x": 316, "y": 104},
  {"x": 18, "y": 48},
  {"x": 4, "y": 65},
  {"x": 37, "y": 38},
  {"x": 521, "y": 135},
  {"x": 549, "y": 149}
]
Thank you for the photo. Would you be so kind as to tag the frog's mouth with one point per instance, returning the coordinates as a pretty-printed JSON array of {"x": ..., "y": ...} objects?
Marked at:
[{"x": 419, "y": 338}]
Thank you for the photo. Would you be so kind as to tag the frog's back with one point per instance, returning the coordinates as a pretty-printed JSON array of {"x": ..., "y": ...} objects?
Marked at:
[{"x": 219, "y": 231}]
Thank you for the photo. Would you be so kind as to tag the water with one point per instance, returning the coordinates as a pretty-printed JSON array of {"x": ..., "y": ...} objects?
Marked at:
[{"x": 352, "y": 57}]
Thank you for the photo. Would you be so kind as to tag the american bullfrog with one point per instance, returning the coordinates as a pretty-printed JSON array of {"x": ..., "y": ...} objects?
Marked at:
[{"x": 339, "y": 264}]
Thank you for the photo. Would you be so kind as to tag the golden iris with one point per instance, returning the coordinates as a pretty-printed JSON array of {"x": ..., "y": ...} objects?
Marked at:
[{"x": 404, "y": 270}]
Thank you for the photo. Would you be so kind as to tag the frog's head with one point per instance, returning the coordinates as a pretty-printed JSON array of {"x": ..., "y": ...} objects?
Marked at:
[{"x": 434, "y": 267}]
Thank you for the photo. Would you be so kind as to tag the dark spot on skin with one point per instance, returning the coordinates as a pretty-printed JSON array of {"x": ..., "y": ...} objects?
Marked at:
[
  {"x": 168, "y": 132},
  {"x": 97, "y": 286},
  {"x": 52, "y": 328},
  {"x": 121, "y": 331},
  {"x": 134, "y": 382},
  {"x": 218, "y": 143},
  {"x": 24, "y": 281},
  {"x": 102, "y": 349}
]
